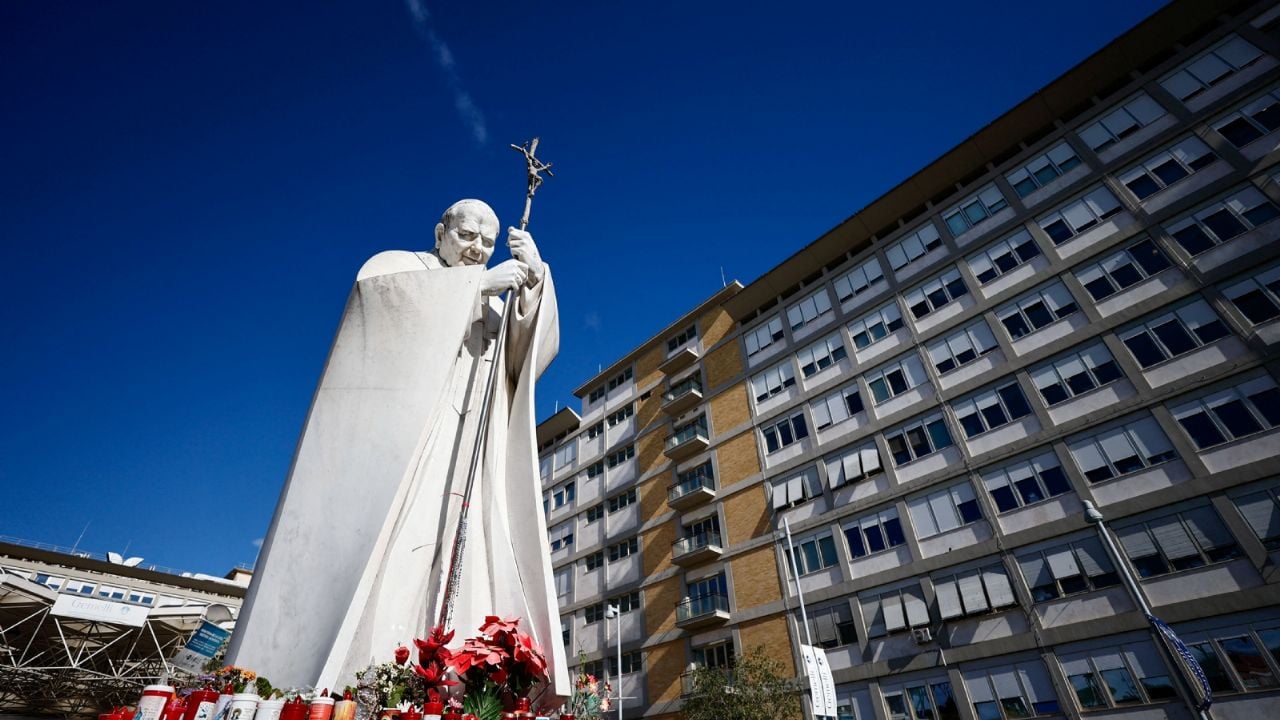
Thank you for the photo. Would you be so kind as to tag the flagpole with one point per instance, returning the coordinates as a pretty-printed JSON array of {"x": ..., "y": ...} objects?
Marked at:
[{"x": 1095, "y": 517}]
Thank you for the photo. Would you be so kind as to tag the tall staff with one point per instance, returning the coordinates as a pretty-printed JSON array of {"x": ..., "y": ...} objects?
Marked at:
[{"x": 534, "y": 168}]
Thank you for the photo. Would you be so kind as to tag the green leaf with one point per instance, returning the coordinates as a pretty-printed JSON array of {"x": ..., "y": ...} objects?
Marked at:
[{"x": 484, "y": 705}]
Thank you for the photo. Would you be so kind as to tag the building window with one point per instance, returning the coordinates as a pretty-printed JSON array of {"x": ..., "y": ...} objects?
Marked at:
[
  {"x": 1210, "y": 68},
  {"x": 894, "y": 610},
  {"x": 706, "y": 589},
  {"x": 562, "y": 495},
  {"x": 1246, "y": 666},
  {"x": 875, "y": 326},
  {"x": 913, "y": 247},
  {"x": 1135, "y": 114},
  {"x": 1117, "y": 676},
  {"x": 773, "y": 381},
  {"x": 1124, "y": 449},
  {"x": 1025, "y": 482},
  {"x": 832, "y": 626},
  {"x": 992, "y": 409},
  {"x": 616, "y": 417},
  {"x": 596, "y": 395},
  {"x": 1181, "y": 541},
  {"x": 1012, "y": 692},
  {"x": 858, "y": 280},
  {"x": 561, "y": 536},
  {"x": 1068, "y": 569},
  {"x": 973, "y": 210},
  {"x": 1043, "y": 169},
  {"x": 836, "y": 407},
  {"x": 687, "y": 335},
  {"x": 595, "y": 431},
  {"x": 896, "y": 378},
  {"x": 974, "y": 592},
  {"x": 1002, "y": 256},
  {"x": 784, "y": 432},
  {"x": 623, "y": 549},
  {"x": 1231, "y": 414},
  {"x": 809, "y": 309},
  {"x": 566, "y": 631},
  {"x": 764, "y": 335},
  {"x": 620, "y": 379},
  {"x": 1243, "y": 210},
  {"x": 594, "y": 668},
  {"x": 821, "y": 355},
  {"x": 944, "y": 510},
  {"x": 566, "y": 454},
  {"x": 595, "y": 469},
  {"x": 621, "y": 500},
  {"x": 564, "y": 582},
  {"x": 720, "y": 655},
  {"x": 1075, "y": 373},
  {"x": 1123, "y": 269},
  {"x": 914, "y": 441},
  {"x": 1172, "y": 334},
  {"x": 961, "y": 347},
  {"x": 619, "y": 456},
  {"x": 625, "y": 603},
  {"x": 593, "y": 613},
  {"x": 853, "y": 464},
  {"x": 632, "y": 662},
  {"x": 594, "y": 560},
  {"x": 814, "y": 554},
  {"x": 1253, "y": 120},
  {"x": 1261, "y": 510},
  {"x": 928, "y": 700},
  {"x": 795, "y": 489},
  {"x": 1257, "y": 298},
  {"x": 936, "y": 294},
  {"x": 1167, "y": 167},
  {"x": 1036, "y": 310},
  {"x": 874, "y": 533},
  {"x": 1079, "y": 215}
]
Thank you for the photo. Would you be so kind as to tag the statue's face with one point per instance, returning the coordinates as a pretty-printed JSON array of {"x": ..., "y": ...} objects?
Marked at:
[{"x": 468, "y": 239}]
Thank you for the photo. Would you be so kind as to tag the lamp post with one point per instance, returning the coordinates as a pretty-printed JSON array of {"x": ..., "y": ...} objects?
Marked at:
[
  {"x": 1095, "y": 517},
  {"x": 615, "y": 612}
]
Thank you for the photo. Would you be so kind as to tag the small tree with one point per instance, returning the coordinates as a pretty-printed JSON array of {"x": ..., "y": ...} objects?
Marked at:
[{"x": 755, "y": 689}]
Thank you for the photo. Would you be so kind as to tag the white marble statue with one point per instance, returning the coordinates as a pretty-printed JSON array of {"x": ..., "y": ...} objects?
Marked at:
[{"x": 357, "y": 555}]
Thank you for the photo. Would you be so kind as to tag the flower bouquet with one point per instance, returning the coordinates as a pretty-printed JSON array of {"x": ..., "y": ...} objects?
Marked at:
[
  {"x": 590, "y": 697},
  {"x": 497, "y": 666}
]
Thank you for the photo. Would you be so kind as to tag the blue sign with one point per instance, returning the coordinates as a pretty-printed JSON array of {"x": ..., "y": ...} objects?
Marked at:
[{"x": 207, "y": 639}]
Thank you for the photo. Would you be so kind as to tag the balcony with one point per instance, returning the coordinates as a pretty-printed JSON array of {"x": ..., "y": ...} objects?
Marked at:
[
  {"x": 696, "y": 549},
  {"x": 683, "y": 358},
  {"x": 703, "y": 611},
  {"x": 688, "y": 441},
  {"x": 690, "y": 492},
  {"x": 682, "y": 396},
  {"x": 687, "y": 680}
]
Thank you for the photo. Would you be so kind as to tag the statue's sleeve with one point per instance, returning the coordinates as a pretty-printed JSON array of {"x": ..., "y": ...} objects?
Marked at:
[{"x": 535, "y": 307}]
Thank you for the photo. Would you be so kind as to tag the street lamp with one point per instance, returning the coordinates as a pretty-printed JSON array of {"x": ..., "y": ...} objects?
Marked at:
[
  {"x": 1095, "y": 517},
  {"x": 613, "y": 611}
]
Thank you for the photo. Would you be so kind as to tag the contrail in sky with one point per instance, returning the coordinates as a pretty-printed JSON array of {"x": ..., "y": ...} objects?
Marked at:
[{"x": 462, "y": 101}]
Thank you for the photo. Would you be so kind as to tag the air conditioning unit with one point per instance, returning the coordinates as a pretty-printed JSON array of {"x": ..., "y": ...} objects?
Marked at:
[{"x": 921, "y": 636}]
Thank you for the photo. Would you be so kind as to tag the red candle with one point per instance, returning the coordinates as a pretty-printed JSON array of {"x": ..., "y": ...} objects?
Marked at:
[
  {"x": 295, "y": 709},
  {"x": 411, "y": 714}
]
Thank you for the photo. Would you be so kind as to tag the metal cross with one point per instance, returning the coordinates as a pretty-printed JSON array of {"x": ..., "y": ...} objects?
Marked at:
[{"x": 534, "y": 167}]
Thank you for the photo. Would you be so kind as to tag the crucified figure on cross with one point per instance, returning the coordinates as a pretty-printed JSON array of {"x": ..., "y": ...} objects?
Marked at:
[{"x": 534, "y": 166}]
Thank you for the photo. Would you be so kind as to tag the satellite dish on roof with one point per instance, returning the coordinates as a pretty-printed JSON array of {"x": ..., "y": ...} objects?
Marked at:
[
  {"x": 132, "y": 562},
  {"x": 115, "y": 557}
]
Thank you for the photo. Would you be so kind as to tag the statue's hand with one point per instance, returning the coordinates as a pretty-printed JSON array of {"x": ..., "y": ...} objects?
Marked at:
[
  {"x": 509, "y": 275},
  {"x": 523, "y": 249}
]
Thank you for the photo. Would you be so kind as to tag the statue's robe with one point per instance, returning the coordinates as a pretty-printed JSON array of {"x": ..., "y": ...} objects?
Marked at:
[{"x": 357, "y": 555}]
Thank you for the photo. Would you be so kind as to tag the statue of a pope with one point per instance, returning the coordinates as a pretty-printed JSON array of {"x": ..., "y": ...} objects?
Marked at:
[{"x": 356, "y": 560}]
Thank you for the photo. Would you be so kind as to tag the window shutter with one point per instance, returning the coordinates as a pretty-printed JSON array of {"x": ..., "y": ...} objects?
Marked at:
[
  {"x": 851, "y": 466},
  {"x": 795, "y": 489},
  {"x": 939, "y": 353},
  {"x": 779, "y": 493},
  {"x": 998, "y": 587},
  {"x": 1006, "y": 683},
  {"x": 1035, "y": 570},
  {"x": 917, "y": 611},
  {"x": 975, "y": 681},
  {"x": 995, "y": 480},
  {"x": 1062, "y": 563},
  {"x": 1144, "y": 659},
  {"x": 1207, "y": 529},
  {"x": 921, "y": 517},
  {"x": 944, "y": 511},
  {"x": 825, "y": 627},
  {"x": 1093, "y": 559},
  {"x": 1172, "y": 538},
  {"x": 1262, "y": 513},
  {"x": 948, "y": 598},
  {"x": 971, "y": 592},
  {"x": 1150, "y": 438},
  {"x": 1136, "y": 542},
  {"x": 870, "y": 460},
  {"x": 1087, "y": 456},
  {"x": 1044, "y": 462},
  {"x": 893, "y": 614},
  {"x": 1035, "y": 678},
  {"x": 1075, "y": 665}
]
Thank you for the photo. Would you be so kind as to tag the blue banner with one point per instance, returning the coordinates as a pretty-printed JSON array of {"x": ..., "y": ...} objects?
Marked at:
[{"x": 1188, "y": 659}]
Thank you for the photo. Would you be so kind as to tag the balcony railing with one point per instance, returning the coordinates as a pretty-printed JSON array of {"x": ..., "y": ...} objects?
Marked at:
[
  {"x": 694, "y": 543},
  {"x": 687, "y": 440},
  {"x": 685, "y": 489},
  {"x": 679, "y": 360},
  {"x": 683, "y": 387},
  {"x": 704, "y": 606}
]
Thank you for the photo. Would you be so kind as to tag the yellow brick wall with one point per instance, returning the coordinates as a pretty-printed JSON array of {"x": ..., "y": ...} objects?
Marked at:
[
  {"x": 647, "y": 365},
  {"x": 746, "y": 515},
  {"x": 653, "y": 496},
  {"x": 649, "y": 451},
  {"x": 723, "y": 364},
  {"x": 663, "y": 666},
  {"x": 714, "y": 325},
  {"x": 660, "y": 601},
  {"x": 737, "y": 458},
  {"x": 655, "y": 547},
  {"x": 770, "y": 633},
  {"x": 755, "y": 578},
  {"x": 729, "y": 409},
  {"x": 649, "y": 410}
]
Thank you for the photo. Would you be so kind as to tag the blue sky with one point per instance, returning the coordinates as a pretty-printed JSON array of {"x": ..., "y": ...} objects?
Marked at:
[{"x": 187, "y": 191}]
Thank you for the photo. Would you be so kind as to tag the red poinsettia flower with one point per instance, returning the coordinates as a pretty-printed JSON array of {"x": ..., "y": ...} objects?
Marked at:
[
  {"x": 434, "y": 674},
  {"x": 501, "y": 629},
  {"x": 434, "y": 645},
  {"x": 402, "y": 655}
]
